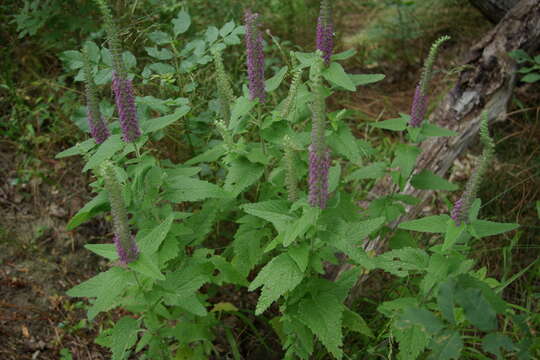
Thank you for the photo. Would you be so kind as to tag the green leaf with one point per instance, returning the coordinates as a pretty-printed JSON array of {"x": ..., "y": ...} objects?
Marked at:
[
  {"x": 299, "y": 227},
  {"x": 495, "y": 342},
  {"x": 105, "y": 151},
  {"x": 147, "y": 265},
  {"x": 280, "y": 275},
  {"x": 452, "y": 234},
  {"x": 322, "y": 314},
  {"x": 241, "y": 175},
  {"x": 162, "y": 68},
  {"x": 424, "y": 318},
  {"x": 405, "y": 159},
  {"x": 93, "y": 51},
  {"x": 211, "y": 34},
  {"x": 300, "y": 255},
  {"x": 160, "y": 54},
  {"x": 345, "y": 143},
  {"x": 354, "y": 322},
  {"x": 274, "y": 82},
  {"x": 333, "y": 177},
  {"x": 72, "y": 59},
  {"x": 430, "y": 224},
  {"x": 397, "y": 124},
  {"x": 89, "y": 210},
  {"x": 445, "y": 300},
  {"x": 433, "y": 130},
  {"x": 151, "y": 242},
  {"x": 185, "y": 188},
  {"x": 160, "y": 37},
  {"x": 105, "y": 287},
  {"x": 477, "y": 310},
  {"x": 108, "y": 251},
  {"x": 427, "y": 180},
  {"x": 247, "y": 247},
  {"x": 152, "y": 125},
  {"x": 181, "y": 23},
  {"x": 227, "y": 272},
  {"x": 336, "y": 75},
  {"x": 80, "y": 148},
  {"x": 448, "y": 346},
  {"x": 372, "y": 171},
  {"x": 274, "y": 211},
  {"x": 242, "y": 106},
  {"x": 483, "y": 228},
  {"x": 530, "y": 78},
  {"x": 209, "y": 155},
  {"x": 129, "y": 59},
  {"x": 123, "y": 337},
  {"x": 412, "y": 341},
  {"x": 344, "y": 55},
  {"x": 364, "y": 79},
  {"x": 226, "y": 29}
]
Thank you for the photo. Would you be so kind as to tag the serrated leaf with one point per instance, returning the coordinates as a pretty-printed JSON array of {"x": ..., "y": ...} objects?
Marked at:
[
  {"x": 345, "y": 143},
  {"x": 241, "y": 107},
  {"x": 247, "y": 247},
  {"x": 427, "y": 180},
  {"x": 405, "y": 159},
  {"x": 152, "y": 241},
  {"x": 105, "y": 287},
  {"x": 299, "y": 227},
  {"x": 88, "y": 211},
  {"x": 483, "y": 228},
  {"x": 448, "y": 346},
  {"x": 147, "y": 265},
  {"x": 160, "y": 54},
  {"x": 108, "y": 251},
  {"x": 412, "y": 342},
  {"x": 129, "y": 59},
  {"x": 123, "y": 337},
  {"x": 226, "y": 29},
  {"x": 274, "y": 211},
  {"x": 78, "y": 149},
  {"x": 337, "y": 75},
  {"x": 372, "y": 171},
  {"x": 185, "y": 188},
  {"x": 274, "y": 82},
  {"x": 227, "y": 272},
  {"x": 241, "y": 175},
  {"x": 495, "y": 342},
  {"x": 397, "y": 124},
  {"x": 445, "y": 300},
  {"x": 364, "y": 79},
  {"x": 322, "y": 314},
  {"x": 162, "y": 68},
  {"x": 424, "y": 318},
  {"x": 300, "y": 255},
  {"x": 72, "y": 58},
  {"x": 280, "y": 275},
  {"x": 477, "y": 310},
  {"x": 105, "y": 151},
  {"x": 152, "y": 125},
  {"x": 181, "y": 23},
  {"x": 354, "y": 322},
  {"x": 430, "y": 224},
  {"x": 210, "y": 155}
]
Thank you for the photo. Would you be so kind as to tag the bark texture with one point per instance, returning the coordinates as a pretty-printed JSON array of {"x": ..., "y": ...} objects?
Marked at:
[
  {"x": 494, "y": 10},
  {"x": 486, "y": 84}
]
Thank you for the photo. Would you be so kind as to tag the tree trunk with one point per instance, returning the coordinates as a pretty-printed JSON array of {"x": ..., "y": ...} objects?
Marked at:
[
  {"x": 486, "y": 85},
  {"x": 494, "y": 10}
]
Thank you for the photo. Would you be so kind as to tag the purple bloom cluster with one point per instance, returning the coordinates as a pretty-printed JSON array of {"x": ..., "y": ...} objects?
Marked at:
[
  {"x": 418, "y": 108},
  {"x": 255, "y": 57},
  {"x": 319, "y": 163},
  {"x": 125, "y": 104},
  {"x": 325, "y": 31},
  {"x": 126, "y": 255},
  {"x": 98, "y": 128},
  {"x": 457, "y": 212}
]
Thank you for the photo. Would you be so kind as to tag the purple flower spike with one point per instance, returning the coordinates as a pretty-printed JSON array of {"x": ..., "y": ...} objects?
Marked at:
[
  {"x": 98, "y": 129},
  {"x": 318, "y": 177},
  {"x": 126, "y": 255},
  {"x": 418, "y": 108},
  {"x": 457, "y": 212},
  {"x": 325, "y": 31},
  {"x": 125, "y": 104},
  {"x": 255, "y": 57}
]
